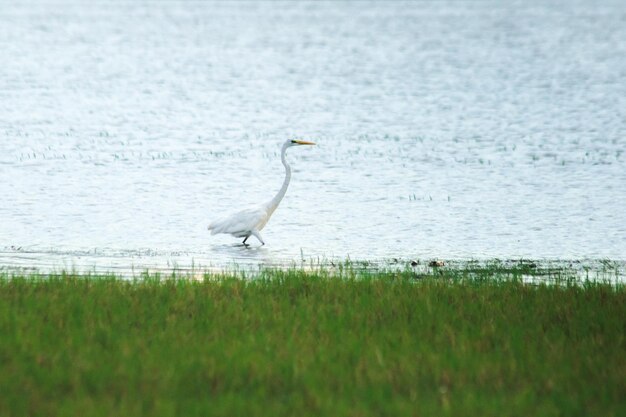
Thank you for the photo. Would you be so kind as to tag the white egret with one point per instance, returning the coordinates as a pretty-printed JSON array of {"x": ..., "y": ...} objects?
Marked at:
[{"x": 251, "y": 221}]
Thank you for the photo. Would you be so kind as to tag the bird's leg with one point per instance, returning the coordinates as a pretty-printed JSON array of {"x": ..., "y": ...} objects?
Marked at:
[
  {"x": 258, "y": 236},
  {"x": 244, "y": 241}
]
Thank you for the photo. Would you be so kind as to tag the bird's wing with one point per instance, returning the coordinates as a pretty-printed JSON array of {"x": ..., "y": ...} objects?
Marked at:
[{"x": 240, "y": 222}]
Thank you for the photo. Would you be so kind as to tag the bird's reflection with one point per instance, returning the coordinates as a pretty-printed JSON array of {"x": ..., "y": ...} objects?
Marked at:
[{"x": 237, "y": 251}]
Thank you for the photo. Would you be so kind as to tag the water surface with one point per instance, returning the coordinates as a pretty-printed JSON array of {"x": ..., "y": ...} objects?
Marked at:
[{"x": 447, "y": 130}]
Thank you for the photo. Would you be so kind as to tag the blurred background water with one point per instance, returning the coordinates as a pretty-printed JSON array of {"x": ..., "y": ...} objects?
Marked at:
[{"x": 444, "y": 129}]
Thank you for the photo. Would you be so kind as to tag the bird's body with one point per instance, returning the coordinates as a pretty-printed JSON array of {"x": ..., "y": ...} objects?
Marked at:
[
  {"x": 242, "y": 223},
  {"x": 250, "y": 222}
]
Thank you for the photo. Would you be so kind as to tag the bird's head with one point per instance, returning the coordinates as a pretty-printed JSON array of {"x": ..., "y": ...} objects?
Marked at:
[{"x": 297, "y": 142}]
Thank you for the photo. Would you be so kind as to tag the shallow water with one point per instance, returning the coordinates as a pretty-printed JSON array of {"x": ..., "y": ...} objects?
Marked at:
[{"x": 448, "y": 130}]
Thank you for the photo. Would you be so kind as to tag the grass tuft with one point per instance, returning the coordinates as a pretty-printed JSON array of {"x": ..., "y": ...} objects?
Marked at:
[{"x": 343, "y": 342}]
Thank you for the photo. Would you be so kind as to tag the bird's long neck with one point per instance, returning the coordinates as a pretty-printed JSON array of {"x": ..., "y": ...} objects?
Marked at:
[{"x": 274, "y": 202}]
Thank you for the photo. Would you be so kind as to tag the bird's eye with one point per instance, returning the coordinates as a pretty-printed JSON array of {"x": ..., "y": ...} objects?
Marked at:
[{"x": 293, "y": 141}]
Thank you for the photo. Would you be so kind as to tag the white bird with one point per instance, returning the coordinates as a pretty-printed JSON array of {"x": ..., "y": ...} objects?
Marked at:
[{"x": 251, "y": 221}]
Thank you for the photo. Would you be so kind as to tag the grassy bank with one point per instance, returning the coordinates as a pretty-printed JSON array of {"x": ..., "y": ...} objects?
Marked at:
[{"x": 296, "y": 343}]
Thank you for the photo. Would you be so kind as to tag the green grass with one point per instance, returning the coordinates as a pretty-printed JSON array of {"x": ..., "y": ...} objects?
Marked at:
[{"x": 340, "y": 342}]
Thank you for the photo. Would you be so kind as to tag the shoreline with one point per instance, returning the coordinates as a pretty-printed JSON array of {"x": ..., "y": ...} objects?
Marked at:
[{"x": 527, "y": 270}]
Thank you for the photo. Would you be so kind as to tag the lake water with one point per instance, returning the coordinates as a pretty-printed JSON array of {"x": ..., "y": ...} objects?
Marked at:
[{"x": 445, "y": 130}]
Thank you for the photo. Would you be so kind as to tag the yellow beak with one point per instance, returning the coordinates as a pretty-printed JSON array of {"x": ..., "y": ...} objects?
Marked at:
[{"x": 303, "y": 142}]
